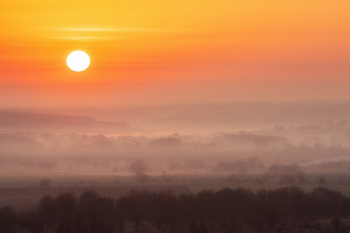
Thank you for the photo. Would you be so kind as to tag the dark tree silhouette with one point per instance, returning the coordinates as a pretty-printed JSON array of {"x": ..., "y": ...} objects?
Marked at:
[
  {"x": 288, "y": 209},
  {"x": 7, "y": 220},
  {"x": 66, "y": 209},
  {"x": 46, "y": 211}
]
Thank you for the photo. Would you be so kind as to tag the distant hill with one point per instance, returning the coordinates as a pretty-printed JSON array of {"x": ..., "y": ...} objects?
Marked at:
[
  {"x": 213, "y": 117},
  {"x": 59, "y": 123}
]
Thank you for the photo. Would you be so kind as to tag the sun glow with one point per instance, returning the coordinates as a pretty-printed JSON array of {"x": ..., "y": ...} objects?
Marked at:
[{"x": 78, "y": 61}]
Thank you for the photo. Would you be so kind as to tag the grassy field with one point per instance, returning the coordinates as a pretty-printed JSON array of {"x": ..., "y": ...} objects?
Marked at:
[
  {"x": 343, "y": 188},
  {"x": 23, "y": 190},
  {"x": 336, "y": 181}
]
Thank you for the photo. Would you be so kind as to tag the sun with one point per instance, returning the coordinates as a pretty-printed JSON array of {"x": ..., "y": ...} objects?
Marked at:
[{"x": 78, "y": 61}]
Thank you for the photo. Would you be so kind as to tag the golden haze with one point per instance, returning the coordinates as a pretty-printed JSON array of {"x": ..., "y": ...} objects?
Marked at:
[{"x": 156, "y": 42}]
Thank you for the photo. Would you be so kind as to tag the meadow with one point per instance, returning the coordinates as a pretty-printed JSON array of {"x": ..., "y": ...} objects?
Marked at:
[{"x": 25, "y": 190}]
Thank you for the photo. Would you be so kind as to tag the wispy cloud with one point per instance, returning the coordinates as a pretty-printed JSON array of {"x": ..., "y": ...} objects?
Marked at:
[
  {"x": 101, "y": 29},
  {"x": 86, "y": 38}
]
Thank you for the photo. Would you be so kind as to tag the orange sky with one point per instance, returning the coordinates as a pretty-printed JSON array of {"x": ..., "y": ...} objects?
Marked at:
[{"x": 200, "y": 50}]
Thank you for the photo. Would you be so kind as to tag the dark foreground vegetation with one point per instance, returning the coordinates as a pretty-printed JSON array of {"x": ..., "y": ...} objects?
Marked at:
[{"x": 288, "y": 209}]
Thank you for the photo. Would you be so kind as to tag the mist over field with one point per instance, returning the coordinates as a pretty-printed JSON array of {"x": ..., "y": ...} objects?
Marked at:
[
  {"x": 208, "y": 138},
  {"x": 286, "y": 166}
]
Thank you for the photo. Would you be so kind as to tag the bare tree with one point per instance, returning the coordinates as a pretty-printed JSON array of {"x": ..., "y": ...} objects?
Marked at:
[
  {"x": 140, "y": 167},
  {"x": 45, "y": 182}
]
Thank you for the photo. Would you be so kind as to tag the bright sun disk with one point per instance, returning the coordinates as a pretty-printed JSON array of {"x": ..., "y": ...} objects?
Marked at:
[{"x": 78, "y": 61}]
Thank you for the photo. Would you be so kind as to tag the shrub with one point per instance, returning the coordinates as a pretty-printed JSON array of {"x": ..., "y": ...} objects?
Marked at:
[
  {"x": 322, "y": 180},
  {"x": 44, "y": 182}
]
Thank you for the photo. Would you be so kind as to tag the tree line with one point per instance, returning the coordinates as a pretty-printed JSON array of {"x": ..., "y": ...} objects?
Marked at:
[{"x": 227, "y": 210}]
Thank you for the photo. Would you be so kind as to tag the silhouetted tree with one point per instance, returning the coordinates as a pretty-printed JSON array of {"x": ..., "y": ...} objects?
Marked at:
[
  {"x": 287, "y": 209},
  {"x": 66, "y": 208},
  {"x": 139, "y": 167},
  {"x": 46, "y": 211},
  {"x": 121, "y": 214},
  {"x": 44, "y": 182},
  {"x": 7, "y": 220},
  {"x": 90, "y": 212}
]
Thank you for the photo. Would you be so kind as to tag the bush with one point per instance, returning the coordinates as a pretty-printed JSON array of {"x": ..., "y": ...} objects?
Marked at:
[
  {"x": 322, "y": 180},
  {"x": 44, "y": 182},
  {"x": 139, "y": 167}
]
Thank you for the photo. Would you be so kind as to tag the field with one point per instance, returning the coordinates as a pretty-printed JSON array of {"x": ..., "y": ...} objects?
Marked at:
[
  {"x": 336, "y": 181},
  {"x": 24, "y": 190}
]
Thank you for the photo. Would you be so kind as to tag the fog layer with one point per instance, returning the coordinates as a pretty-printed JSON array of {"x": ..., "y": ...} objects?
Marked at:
[{"x": 231, "y": 138}]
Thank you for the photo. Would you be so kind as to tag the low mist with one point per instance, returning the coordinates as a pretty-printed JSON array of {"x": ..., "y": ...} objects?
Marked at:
[{"x": 201, "y": 139}]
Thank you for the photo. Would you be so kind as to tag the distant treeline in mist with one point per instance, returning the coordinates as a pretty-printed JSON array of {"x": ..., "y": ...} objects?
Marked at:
[
  {"x": 15, "y": 120},
  {"x": 100, "y": 141},
  {"x": 316, "y": 147},
  {"x": 288, "y": 209}
]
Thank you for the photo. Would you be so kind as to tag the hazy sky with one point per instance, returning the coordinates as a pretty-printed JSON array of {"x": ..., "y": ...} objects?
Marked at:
[{"x": 173, "y": 51}]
